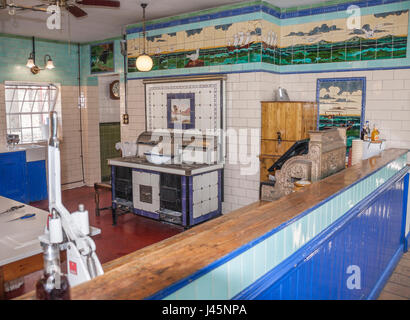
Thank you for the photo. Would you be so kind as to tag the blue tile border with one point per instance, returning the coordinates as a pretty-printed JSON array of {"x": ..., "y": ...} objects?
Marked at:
[{"x": 269, "y": 71}]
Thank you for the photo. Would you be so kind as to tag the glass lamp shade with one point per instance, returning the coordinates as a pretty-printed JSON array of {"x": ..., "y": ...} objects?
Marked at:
[
  {"x": 50, "y": 64},
  {"x": 144, "y": 63},
  {"x": 30, "y": 63}
]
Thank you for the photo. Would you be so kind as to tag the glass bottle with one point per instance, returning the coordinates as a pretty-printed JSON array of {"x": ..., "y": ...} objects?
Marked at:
[
  {"x": 53, "y": 285},
  {"x": 366, "y": 131},
  {"x": 375, "y": 134}
]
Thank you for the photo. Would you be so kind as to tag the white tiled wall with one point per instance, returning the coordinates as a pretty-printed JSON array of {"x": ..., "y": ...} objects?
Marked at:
[
  {"x": 245, "y": 91},
  {"x": 70, "y": 146},
  {"x": 136, "y": 111},
  {"x": 387, "y": 105},
  {"x": 3, "y": 127},
  {"x": 109, "y": 108},
  {"x": 91, "y": 136}
]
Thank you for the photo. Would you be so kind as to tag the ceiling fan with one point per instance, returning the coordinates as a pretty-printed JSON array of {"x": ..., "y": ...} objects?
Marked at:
[{"x": 69, "y": 5}]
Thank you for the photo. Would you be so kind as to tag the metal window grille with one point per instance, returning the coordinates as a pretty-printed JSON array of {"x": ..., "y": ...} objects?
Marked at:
[{"x": 27, "y": 109}]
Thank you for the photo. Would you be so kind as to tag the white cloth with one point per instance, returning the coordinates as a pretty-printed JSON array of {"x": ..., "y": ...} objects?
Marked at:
[{"x": 128, "y": 149}]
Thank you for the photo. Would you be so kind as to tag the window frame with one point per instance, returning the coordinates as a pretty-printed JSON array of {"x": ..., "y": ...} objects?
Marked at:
[{"x": 52, "y": 104}]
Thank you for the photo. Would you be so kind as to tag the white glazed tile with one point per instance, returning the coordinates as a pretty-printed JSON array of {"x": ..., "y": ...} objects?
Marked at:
[
  {"x": 213, "y": 191},
  {"x": 213, "y": 205},
  {"x": 206, "y": 193},
  {"x": 196, "y": 197},
  {"x": 196, "y": 210},
  {"x": 206, "y": 207},
  {"x": 196, "y": 183}
]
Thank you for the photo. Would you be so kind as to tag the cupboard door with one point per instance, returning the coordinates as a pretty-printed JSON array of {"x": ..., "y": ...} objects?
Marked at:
[
  {"x": 309, "y": 118},
  {"x": 273, "y": 119},
  {"x": 293, "y": 124},
  {"x": 13, "y": 176},
  {"x": 274, "y": 147},
  {"x": 37, "y": 180}
]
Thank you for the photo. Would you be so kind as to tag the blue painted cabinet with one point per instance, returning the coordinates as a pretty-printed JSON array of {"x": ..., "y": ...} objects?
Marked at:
[
  {"x": 21, "y": 180},
  {"x": 36, "y": 180},
  {"x": 13, "y": 176}
]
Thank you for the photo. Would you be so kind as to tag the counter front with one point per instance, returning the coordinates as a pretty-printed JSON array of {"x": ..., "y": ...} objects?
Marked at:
[{"x": 299, "y": 247}]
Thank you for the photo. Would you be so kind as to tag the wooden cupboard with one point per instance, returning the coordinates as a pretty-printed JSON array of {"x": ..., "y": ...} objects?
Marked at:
[{"x": 283, "y": 123}]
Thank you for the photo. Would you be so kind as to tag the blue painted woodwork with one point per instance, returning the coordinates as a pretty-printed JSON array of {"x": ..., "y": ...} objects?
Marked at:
[
  {"x": 20, "y": 180},
  {"x": 369, "y": 236},
  {"x": 368, "y": 215},
  {"x": 13, "y": 173},
  {"x": 36, "y": 181}
]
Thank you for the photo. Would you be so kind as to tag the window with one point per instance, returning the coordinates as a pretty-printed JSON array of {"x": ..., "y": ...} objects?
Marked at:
[{"x": 27, "y": 109}]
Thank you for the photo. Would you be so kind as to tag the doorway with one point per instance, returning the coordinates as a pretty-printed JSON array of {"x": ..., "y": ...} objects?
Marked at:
[{"x": 110, "y": 128}]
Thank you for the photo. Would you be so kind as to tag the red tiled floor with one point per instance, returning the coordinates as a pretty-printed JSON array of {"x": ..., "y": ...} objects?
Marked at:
[{"x": 130, "y": 234}]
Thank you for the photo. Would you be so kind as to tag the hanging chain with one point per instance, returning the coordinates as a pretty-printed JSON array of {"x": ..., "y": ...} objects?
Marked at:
[{"x": 143, "y": 5}]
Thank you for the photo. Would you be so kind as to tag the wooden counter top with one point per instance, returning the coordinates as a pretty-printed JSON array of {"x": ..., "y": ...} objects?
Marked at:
[{"x": 147, "y": 271}]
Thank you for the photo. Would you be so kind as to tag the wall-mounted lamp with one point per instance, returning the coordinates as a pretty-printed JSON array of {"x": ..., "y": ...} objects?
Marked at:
[
  {"x": 144, "y": 61},
  {"x": 31, "y": 62}
]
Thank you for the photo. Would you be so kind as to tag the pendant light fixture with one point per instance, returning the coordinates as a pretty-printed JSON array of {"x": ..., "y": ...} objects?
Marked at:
[
  {"x": 31, "y": 61},
  {"x": 144, "y": 61}
]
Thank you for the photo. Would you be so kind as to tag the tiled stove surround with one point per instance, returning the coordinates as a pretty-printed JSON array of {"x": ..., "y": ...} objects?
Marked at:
[
  {"x": 205, "y": 96},
  {"x": 244, "y": 92},
  {"x": 204, "y": 194}
]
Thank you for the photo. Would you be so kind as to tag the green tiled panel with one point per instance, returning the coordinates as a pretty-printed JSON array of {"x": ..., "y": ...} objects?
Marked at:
[
  {"x": 227, "y": 280},
  {"x": 110, "y": 134}
]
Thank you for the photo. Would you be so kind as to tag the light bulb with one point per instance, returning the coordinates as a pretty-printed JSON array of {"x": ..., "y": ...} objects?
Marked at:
[
  {"x": 50, "y": 64},
  {"x": 30, "y": 63},
  {"x": 144, "y": 63}
]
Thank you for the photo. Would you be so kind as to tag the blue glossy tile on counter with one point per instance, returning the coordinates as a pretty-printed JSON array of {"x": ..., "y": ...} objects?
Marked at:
[{"x": 286, "y": 240}]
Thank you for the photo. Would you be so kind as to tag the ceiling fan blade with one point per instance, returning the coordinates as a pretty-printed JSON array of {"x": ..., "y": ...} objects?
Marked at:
[
  {"x": 76, "y": 11},
  {"x": 104, "y": 3},
  {"x": 32, "y": 8}
]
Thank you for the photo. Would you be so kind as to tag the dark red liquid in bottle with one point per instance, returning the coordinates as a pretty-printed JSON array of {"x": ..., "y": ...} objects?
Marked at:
[{"x": 49, "y": 289}]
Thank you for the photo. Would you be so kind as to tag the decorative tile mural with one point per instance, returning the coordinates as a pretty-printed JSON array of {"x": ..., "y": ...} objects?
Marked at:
[
  {"x": 102, "y": 57},
  {"x": 198, "y": 105},
  {"x": 210, "y": 46},
  {"x": 381, "y": 36},
  {"x": 341, "y": 103}
]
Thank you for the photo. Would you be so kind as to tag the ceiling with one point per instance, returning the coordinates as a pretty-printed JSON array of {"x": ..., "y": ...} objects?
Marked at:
[{"x": 103, "y": 23}]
